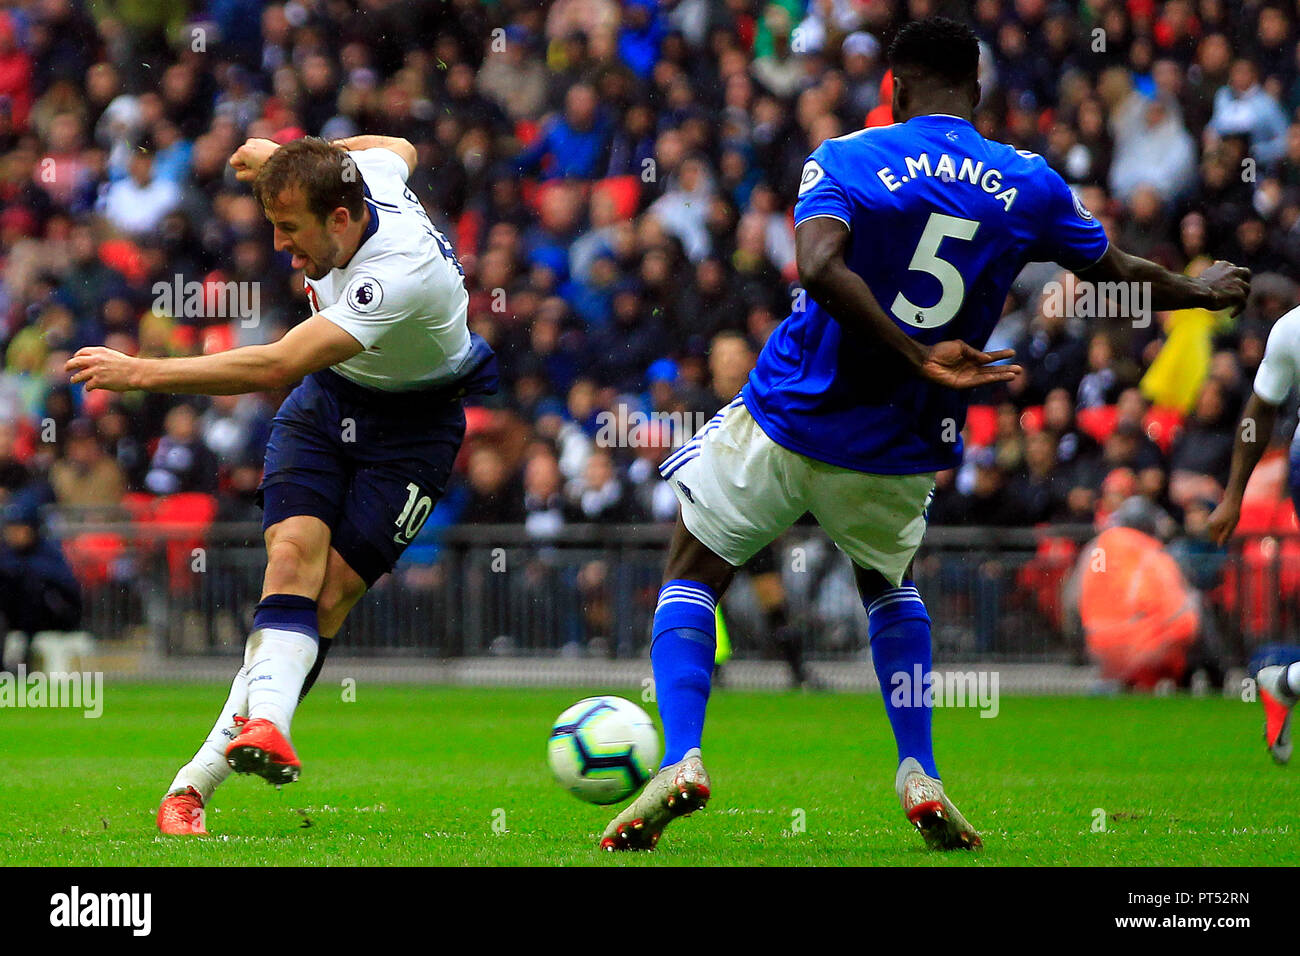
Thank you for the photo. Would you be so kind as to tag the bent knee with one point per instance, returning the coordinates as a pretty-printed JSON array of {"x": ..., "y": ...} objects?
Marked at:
[
  {"x": 339, "y": 595},
  {"x": 295, "y": 560}
]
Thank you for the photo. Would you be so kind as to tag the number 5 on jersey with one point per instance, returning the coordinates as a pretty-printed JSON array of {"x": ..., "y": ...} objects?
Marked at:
[
  {"x": 926, "y": 259},
  {"x": 413, "y": 515}
]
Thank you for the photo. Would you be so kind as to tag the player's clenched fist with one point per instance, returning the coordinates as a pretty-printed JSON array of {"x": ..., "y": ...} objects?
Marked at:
[
  {"x": 248, "y": 159},
  {"x": 1229, "y": 285},
  {"x": 99, "y": 367}
]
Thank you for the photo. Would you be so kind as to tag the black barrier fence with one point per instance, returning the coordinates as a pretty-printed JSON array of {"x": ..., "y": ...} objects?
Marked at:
[{"x": 589, "y": 591}]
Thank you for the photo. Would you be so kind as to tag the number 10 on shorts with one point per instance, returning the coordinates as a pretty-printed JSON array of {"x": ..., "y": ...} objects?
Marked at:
[{"x": 413, "y": 515}]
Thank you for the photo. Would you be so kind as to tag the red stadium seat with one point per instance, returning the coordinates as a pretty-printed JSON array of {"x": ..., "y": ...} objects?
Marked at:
[
  {"x": 140, "y": 504},
  {"x": 218, "y": 338},
  {"x": 535, "y": 193},
  {"x": 1162, "y": 426},
  {"x": 1031, "y": 419},
  {"x": 624, "y": 190},
  {"x": 1043, "y": 576},
  {"x": 468, "y": 228},
  {"x": 91, "y": 556},
  {"x": 184, "y": 337},
  {"x": 25, "y": 441},
  {"x": 1257, "y": 517},
  {"x": 527, "y": 131},
  {"x": 1284, "y": 520},
  {"x": 1099, "y": 422},
  {"x": 982, "y": 424},
  {"x": 124, "y": 256},
  {"x": 182, "y": 520}
]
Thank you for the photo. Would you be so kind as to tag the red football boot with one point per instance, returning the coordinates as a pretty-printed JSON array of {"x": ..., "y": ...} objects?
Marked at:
[
  {"x": 260, "y": 748},
  {"x": 181, "y": 814},
  {"x": 1278, "y": 701}
]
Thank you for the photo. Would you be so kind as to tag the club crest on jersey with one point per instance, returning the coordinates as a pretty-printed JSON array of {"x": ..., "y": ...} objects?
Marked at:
[
  {"x": 1079, "y": 207},
  {"x": 812, "y": 174},
  {"x": 364, "y": 294}
]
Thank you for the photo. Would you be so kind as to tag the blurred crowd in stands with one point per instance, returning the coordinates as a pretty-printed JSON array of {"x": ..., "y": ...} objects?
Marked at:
[{"x": 618, "y": 177}]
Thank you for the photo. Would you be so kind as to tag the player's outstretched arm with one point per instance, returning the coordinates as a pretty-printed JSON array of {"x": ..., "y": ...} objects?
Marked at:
[
  {"x": 1221, "y": 286},
  {"x": 315, "y": 344},
  {"x": 819, "y": 255},
  {"x": 395, "y": 144}
]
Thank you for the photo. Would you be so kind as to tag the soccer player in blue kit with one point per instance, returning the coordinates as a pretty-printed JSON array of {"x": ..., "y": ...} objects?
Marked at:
[{"x": 907, "y": 240}]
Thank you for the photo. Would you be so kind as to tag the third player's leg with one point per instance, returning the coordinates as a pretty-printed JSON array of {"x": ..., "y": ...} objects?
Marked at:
[
  {"x": 339, "y": 593},
  {"x": 691, "y": 560}
]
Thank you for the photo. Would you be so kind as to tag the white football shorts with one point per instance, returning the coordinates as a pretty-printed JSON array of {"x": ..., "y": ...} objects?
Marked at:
[{"x": 739, "y": 489}]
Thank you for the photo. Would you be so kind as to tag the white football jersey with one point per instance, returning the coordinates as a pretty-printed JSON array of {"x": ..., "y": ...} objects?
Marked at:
[
  {"x": 1280, "y": 369},
  {"x": 402, "y": 295}
]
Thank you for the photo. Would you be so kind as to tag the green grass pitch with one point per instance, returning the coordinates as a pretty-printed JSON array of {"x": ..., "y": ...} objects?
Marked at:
[{"x": 457, "y": 776}]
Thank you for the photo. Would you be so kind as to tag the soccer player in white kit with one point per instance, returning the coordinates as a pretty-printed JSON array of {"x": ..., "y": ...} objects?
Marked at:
[
  {"x": 1279, "y": 372},
  {"x": 360, "y": 451}
]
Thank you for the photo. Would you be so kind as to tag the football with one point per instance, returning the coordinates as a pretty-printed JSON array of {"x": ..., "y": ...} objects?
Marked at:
[{"x": 603, "y": 749}]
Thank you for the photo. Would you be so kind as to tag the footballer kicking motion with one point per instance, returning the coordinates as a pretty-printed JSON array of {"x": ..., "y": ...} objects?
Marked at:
[
  {"x": 359, "y": 452},
  {"x": 907, "y": 239},
  {"x": 1279, "y": 372}
]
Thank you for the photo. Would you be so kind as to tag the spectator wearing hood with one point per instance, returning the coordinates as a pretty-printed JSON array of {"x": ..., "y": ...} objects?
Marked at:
[
  {"x": 1153, "y": 148},
  {"x": 38, "y": 591},
  {"x": 1243, "y": 107}
]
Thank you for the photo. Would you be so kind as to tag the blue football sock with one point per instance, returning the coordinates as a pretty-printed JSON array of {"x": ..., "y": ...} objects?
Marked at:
[
  {"x": 899, "y": 629},
  {"x": 682, "y": 656}
]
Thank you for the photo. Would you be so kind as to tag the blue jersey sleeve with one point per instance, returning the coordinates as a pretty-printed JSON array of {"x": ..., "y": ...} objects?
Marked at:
[
  {"x": 820, "y": 193},
  {"x": 1070, "y": 236}
]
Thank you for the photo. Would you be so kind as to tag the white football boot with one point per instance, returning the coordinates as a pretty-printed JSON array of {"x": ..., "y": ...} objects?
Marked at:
[
  {"x": 930, "y": 810},
  {"x": 1278, "y": 700},
  {"x": 675, "y": 791}
]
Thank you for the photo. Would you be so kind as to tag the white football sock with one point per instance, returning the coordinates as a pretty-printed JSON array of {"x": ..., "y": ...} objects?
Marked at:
[
  {"x": 209, "y": 768},
  {"x": 277, "y": 668},
  {"x": 1293, "y": 679}
]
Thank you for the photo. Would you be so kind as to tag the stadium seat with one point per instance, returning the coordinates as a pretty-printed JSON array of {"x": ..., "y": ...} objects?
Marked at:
[
  {"x": 91, "y": 556},
  {"x": 1031, "y": 419},
  {"x": 1257, "y": 517},
  {"x": 181, "y": 521},
  {"x": 139, "y": 503},
  {"x": 184, "y": 337},
  {"x": 1043, "y": 576},
  {"x": 25, "y": 441},
  {"x": 468, "y": 228},
  {"x": 218, "y": 338},
  {"x": 1162, "y": 426},
  {"x": 527, "y": 131},
  {"x": 124, "y": 256},
  {"x": 1099, "y": 422},
  {"x": 535, "y": 193},
  {"x": 1284, "y": 519},
  {"x": 624, "y": 190},
  {"x": 981, "y": 425}
]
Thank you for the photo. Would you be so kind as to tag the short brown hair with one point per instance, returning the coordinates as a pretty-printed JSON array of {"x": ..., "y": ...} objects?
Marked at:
[{"x": 325, "y": 173}]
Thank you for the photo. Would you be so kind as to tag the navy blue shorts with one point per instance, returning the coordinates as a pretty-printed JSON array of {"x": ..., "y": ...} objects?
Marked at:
[{"x": 370, "y": 464}]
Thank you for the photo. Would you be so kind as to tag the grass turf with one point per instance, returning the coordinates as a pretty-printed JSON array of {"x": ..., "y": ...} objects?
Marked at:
[{"x": 457, "y": 776}]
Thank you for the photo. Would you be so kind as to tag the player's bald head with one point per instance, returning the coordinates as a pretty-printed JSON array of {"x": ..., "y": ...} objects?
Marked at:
[{"x": 937, "y": 53}]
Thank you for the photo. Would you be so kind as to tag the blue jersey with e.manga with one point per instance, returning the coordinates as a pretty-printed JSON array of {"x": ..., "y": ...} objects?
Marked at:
[{"x": 941, "y": 220}]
